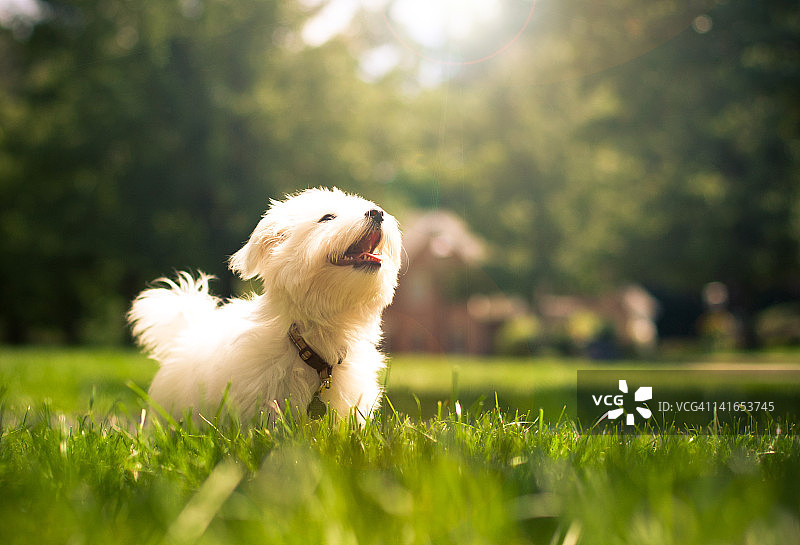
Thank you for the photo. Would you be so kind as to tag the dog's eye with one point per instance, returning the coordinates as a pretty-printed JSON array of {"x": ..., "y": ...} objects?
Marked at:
[{"x": 326, "y": 217}]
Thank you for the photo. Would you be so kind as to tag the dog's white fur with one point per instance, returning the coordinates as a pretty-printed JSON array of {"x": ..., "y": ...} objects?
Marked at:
[{"x": 206, "y": 346}]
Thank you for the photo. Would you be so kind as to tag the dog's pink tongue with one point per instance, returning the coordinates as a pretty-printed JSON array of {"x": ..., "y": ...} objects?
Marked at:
[{"x": 366, "y": 256}]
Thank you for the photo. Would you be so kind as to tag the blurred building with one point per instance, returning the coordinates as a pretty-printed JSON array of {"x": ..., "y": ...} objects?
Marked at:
[
  {"x": 434, "y": 308},
  {"x": 445, "y": 303}
]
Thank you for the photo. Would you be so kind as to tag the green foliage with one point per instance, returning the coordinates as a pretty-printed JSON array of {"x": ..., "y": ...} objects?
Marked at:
[
  {"x": 623, "y": 142},
  {"x": 519, "y": 336},
  {"x": 141, "y": 139},
  {"x": 779, "y": 325},
  {"x": 117, "y": 119},
  {"x": 672, "y": 169},
  {"x": 664, "y": 170}
]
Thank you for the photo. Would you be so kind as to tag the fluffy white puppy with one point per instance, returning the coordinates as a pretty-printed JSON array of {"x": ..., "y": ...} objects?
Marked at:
[{"x": 328, "y": 262}]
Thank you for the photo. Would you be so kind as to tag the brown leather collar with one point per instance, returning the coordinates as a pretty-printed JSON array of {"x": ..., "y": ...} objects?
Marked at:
[{"x": 311, "y": 358}]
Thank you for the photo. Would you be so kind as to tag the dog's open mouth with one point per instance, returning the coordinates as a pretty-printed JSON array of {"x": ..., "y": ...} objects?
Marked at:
[{"x": 361, "y": 253}]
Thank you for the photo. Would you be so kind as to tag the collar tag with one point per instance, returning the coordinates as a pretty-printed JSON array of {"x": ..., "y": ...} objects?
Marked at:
[{"x": 317, "y": 408}]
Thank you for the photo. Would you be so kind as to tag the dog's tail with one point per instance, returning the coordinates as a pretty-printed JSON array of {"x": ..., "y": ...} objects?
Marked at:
[{"x": 159, "y": 315}]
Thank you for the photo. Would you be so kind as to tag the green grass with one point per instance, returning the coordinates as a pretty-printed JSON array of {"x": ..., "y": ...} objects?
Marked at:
[
  {"x": 71, "y": 379},
  {"x": 80, "y": 469}
]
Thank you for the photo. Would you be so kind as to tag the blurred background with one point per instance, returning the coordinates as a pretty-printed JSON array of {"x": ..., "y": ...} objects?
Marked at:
[{"x": 604, "y": 178}]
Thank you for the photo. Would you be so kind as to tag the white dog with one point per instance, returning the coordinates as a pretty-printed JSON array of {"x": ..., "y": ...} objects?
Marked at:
[{"x": 328, "y": 262}]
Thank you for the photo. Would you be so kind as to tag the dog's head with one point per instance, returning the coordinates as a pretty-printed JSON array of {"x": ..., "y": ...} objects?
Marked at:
[{"x": 326, "y": 251}]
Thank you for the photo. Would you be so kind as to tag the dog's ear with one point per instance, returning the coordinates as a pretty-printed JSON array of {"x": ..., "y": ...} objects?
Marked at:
[{"x": 248, "y": 262}]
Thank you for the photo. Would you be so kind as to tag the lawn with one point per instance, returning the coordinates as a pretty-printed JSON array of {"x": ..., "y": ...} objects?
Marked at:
[
  {"x": 72, "y": 380},
  {"x": 76, "y": 466}
]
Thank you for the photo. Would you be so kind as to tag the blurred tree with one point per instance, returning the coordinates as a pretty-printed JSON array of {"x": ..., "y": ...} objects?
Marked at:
[
  {"x": 591, "y": 155},
  {"x": 712, "y": 125},
  {"x": 131, "y": 134},
  {"x": 611, "y": 142},
  {"x": 142, "y": 138}
]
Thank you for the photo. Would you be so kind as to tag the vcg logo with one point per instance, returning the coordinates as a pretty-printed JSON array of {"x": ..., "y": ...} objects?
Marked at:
[{"x": 645, "y": 393}]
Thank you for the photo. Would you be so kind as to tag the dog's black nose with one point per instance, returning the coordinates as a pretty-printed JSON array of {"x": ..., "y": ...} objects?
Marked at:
[{"x": 376, "y": 215}]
